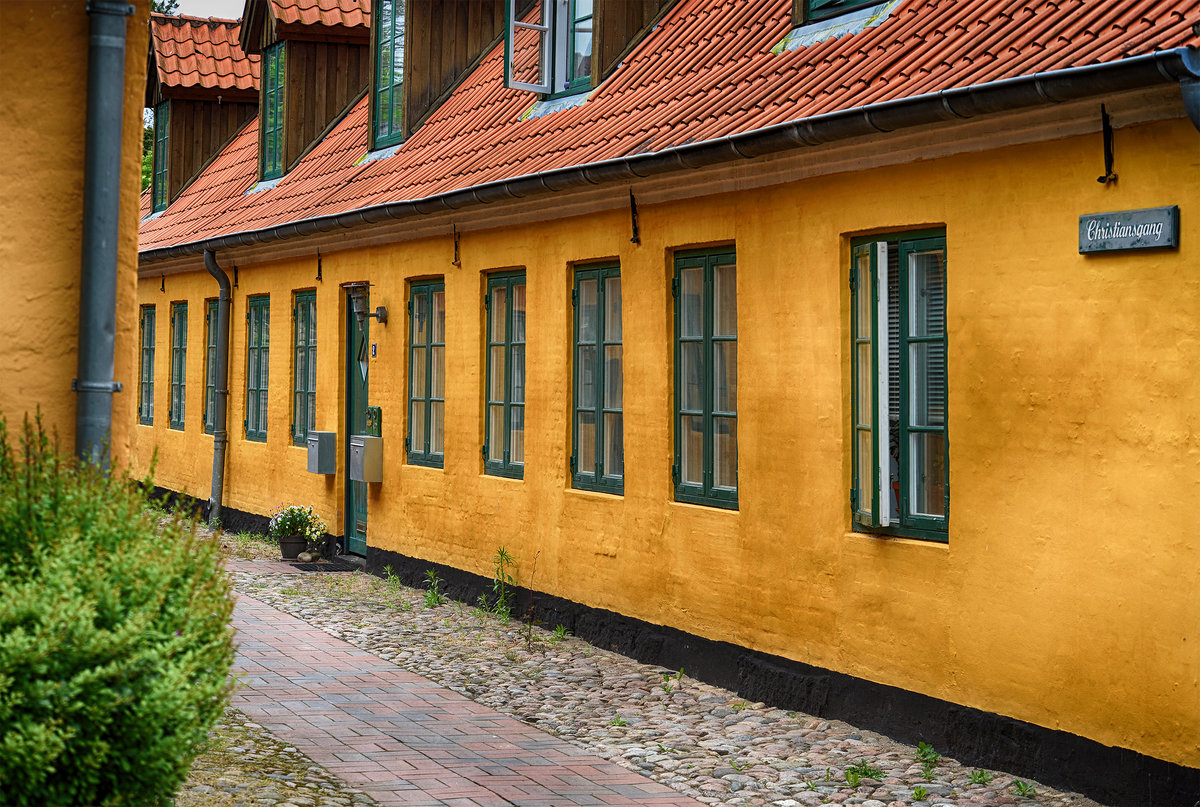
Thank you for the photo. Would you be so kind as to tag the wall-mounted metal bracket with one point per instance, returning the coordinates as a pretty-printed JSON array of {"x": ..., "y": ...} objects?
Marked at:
[
  {"x": 1106, "y": 123},
  {"x": 96, "y": 386},
  {"x": 457, "y": 260},
  {"x": 633, "y": 219}
]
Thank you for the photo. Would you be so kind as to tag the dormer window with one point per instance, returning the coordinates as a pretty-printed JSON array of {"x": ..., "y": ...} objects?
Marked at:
[
  {"x": 813, "y": 10},
  {"x": 272, "y": 111},
  {"x": 159, "y": 191},
  {"x": 550, "y": 50},
  {"x": 387, "y": 108}
]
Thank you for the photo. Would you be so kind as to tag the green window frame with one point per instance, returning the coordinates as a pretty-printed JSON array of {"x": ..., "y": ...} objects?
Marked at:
[
  {"x": 178, "y": 402},
  {"x": 160, "y": 191},
  {"x": 705, "y": 291},
  {"x": 210, "y": 365},
  {"x": 426, "y": 374},
  {"x": 598, "y": 455},
  {"x": 258, "y": 345},
  {"x": 549, "y": 50},
  {"x": 146, "y": 385},
  {"x": 304, "y": 366},
  {"x": 387, "y": 108},
  {"x": 900, "y": 454},
  {"x": 504, "y": 429},
  {"x": 814, "y": 10},
  {"x": 273, "y": 72}
]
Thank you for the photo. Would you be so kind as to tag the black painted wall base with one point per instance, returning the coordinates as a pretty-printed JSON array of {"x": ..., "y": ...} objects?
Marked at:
[{"x": 1115, "y": 776}]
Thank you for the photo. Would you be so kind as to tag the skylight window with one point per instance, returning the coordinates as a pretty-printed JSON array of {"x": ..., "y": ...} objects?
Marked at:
[{"x": 550, "y": 49}]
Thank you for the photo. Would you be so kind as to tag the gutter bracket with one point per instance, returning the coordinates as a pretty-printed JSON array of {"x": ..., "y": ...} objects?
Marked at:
[{"x": 96, "y": 386}]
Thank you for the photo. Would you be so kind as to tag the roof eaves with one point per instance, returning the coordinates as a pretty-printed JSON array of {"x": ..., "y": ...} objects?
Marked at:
[{"x": 1011, "y": 94}]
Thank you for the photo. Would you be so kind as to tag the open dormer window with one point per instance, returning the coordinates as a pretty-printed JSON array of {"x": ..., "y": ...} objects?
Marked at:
[
  {"x": 549, "y": 50},
  {"x": 388, "y": 107},
  {"x": 272, "y": 111},
  {"x": 161, "y": 119}
]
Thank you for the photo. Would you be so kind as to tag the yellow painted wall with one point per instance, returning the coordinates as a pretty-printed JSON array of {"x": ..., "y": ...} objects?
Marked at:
[
  {"x": 1069, "y": 592},
  {"x": 43, "y": 102}
]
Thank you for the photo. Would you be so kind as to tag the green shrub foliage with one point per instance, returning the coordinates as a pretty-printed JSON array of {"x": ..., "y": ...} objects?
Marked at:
[{"x": 115, "y": 638}]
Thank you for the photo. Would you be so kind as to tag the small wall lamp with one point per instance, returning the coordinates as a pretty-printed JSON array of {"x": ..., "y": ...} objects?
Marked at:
[{"x": 358, "y": 298}]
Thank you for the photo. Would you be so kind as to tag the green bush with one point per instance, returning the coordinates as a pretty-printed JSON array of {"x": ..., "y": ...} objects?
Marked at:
[{"x": 115, "y": 638}]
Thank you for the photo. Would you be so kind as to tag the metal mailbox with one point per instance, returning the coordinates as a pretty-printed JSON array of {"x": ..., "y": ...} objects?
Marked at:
[
  {"x": 366, "y": 458},
  {"x": 322, "y": 452}
]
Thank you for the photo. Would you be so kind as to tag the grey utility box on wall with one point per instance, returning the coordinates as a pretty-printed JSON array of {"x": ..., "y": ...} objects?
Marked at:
[
  {"x": 322, "y": 452},
  {"x": 366, "y": 458}
]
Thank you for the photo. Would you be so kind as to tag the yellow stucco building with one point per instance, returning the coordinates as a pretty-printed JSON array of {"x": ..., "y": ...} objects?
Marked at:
[
  {"x": 44, "y": 51},
  {"x": 950, "y": 495}
]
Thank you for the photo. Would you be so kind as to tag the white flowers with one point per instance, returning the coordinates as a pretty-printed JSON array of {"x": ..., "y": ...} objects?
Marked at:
[{"x": 297, "y": 519}]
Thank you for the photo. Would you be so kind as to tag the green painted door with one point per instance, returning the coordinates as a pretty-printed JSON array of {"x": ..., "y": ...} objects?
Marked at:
[{"x": 358, "y": 346}]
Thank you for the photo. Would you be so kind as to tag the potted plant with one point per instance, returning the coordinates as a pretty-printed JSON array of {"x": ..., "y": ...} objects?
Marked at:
[{"x": 294, "y": 526}]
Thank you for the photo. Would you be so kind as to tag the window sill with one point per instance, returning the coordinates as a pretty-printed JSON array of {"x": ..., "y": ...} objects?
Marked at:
[
  {"x": 548, "y": 106},
  {"x": 379, "y": 154},
  {"x": 596, "y": 492},
  {"x": 418, "y": 462},
  {"x": 264, "y": 185},
  {"x": 896, "y": 537}
]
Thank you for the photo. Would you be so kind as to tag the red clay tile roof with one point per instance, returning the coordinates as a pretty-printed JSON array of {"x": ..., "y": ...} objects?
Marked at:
[
  {"x": 348, "y": 13},
  {"x": 706, "y": 71},
  {"x": 201, "y": 52}
]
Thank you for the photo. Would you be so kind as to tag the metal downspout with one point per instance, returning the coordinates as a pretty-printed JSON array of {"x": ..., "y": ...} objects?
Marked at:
[
  {"x": 221, "y": 382},
  {"x": 94, "y": 385}
]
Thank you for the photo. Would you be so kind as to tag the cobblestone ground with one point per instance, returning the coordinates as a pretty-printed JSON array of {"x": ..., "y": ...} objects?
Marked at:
[
  {"x": 699, "y": 739},
  {"x": 245, "y": 765}
]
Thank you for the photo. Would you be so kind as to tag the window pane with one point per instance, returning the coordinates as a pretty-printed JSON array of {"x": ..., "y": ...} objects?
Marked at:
[
  {"x": 420, "y": 318},
  {"x": 585, "y": 449},
  {"x": 691, "y": 376},
  {"x": 583, "y": 8},
  {"x": 528, "y": 46},
  {"x": 724, "y": 376},
  {"x": 438, "y": 356},
  {"x": 496, "y": 432},
  {"x": 517, "y": 453},
  {"x": 613, "y": 380},
  {"x": 417, "y": 384},
  {"x": 585, "y": 390},
  {"x": 581, "y": 57},
  {"x": 865, "y": 383},
  {"x": 863, "y": 295},
  {"x": 588, "y": 310},
  {"x": 614, "y": 445},
  {"x": 416, "y": 427},
  {"x": 725, "y": 301},
  {"x": 439, "y": 316},
  {"x": 496, "y": 388},
  {"x": 927, "y": 379},
  {"x": 691, "y": 446},
  {"x": 927, "y": 294},
  {"x": 691, "y": 302},
  {"x": 725, "y": 452},
  {"x": 866, "y": 472},
  {"x": 518, "y": 374},
  {"x": 612, "y": 309},
  {"x": 518, "y": 305},
  {"x": 499, "y": 313},
  {"x": 437, "y": 418},
  {"x": 927, "y": 472}
]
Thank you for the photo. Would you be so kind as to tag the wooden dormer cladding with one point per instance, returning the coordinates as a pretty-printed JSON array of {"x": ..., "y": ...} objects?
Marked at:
[
  {"x": 208, "y": 87},
  {"x": 443, "y": 42},
  {"x": 618, "y": 26},
  {"x": 327, "y": 62}
]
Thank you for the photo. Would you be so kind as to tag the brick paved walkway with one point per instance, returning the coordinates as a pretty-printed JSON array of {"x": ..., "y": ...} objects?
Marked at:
[{"x": 405, "y": 740}]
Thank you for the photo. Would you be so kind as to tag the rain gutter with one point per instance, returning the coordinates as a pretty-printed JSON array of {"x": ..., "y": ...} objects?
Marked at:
[
  {"x": 221, "y": 384},
  {"x": 1180, "y": 65},
  {"x": 94, "y": 385}
]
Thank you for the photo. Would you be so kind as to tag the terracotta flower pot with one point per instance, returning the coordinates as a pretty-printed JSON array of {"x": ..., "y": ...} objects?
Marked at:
[{"x": 292, "y": 545}]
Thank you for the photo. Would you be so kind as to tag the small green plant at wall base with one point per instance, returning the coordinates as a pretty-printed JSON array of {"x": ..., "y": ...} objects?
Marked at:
[
  {"x": 560, "y": 632},
  {"x": 920, "y": 793},
  {"x": 737, "y": 706},
  {"x": 853, "y": 778},
  {"x": 433, "y": 595},
  {"x": 669, "y": 677},
  {"x": 808, "y": 783},
  {"x": 981, "y": 777},
  {"x": 617, "y": 721},
  {"x": 1023, "y": 790},
  {"x": 502, "y": 583},
  {"x": 865, "y": 771},
  {"x": 927, "y": 770},
  {"x": 925, "y": 753}
]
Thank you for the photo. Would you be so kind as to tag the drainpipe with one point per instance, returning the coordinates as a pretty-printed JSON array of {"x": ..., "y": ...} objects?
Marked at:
[
  {"x": 221, "y": 381},
  {"x": 94, "y": 385}
]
